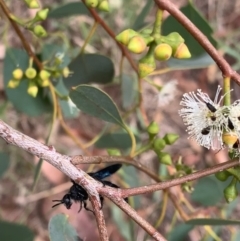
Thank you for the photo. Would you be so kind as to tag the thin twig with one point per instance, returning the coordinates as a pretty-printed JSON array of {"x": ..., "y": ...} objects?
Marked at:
[
  {"x": 102, "y": 229},
  {"x": 223, "y": 65},
  {"x": 112, "y": 35},
  {"x": 63, "y": 163},
  {"x": 180, "y": 180}
]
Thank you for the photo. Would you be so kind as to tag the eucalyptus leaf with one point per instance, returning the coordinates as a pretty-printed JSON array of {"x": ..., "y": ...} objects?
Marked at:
[
  {"x": 213, "y": 221},
  {"x": 123, "y": 226},
  {"x": 180, "y": 232},
  {"x": 95, "y": 102},
  {"x": 60, "y": 230},
  {"x": 118, "y": 140},
  {"x": 68, "y": 10},
  {"x": 50, "y": 51},
  {"x": 90, "y": 68},
  {"x": 207, "y": 191},
  {"x": 199, "y": 62},
  {"x": 129, "y": 90},
  {"x": 69, "y": 109},
  {"x": 12, "y": 232},
  {"x": 139, "y": 22}
]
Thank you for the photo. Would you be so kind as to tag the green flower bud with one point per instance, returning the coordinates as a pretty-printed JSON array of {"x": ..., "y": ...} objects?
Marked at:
[
  {"x": 44, "y": 74},
  {"x": 182, "y": 52},
  {"x": 43, "y": 82},
  {"x": 165, "y": 158},
  {"x": 146, "y": 65},
  {"x": 222, "y": 176},
  {"x": 114, "y": 152},
  {"x": 41, "y": 15},
  {"x": 13, "y": 83},
  {"x": 104, "y": 6},
  {"x": 163, "y": 52},
  {"x": 32, "y": 89},
  {"x": 159, "y": 144},
  {"x": 170, "y": 138},
  {"x": 146, "y": 31},
  {"x": 174, "y": 39},
  {"x": 137, "y": 44},
  {"x": 230, "y": 192},
  {"x": 17, "y": 74},
  {"x": 39, "y": 31},
  {"x": 32, "y": 3},
  {"x": 91, "y": 3},
  {"x": 153, "y": 129},
  {"x": 125, "y": 36},
  {"x": 30, "y": 73}
]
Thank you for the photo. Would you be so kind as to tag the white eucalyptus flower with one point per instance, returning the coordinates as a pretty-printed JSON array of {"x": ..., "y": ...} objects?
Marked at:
[{"x": 205, "y": 119}]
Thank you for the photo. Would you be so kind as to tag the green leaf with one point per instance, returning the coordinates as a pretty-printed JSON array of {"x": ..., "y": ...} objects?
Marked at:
[
  {"x": 212, "y": 221},
  {"x": 95, "y": 102},
  {"x": 130, "y": 175},
  {"x": 119, "y": 140},
  {"x": 207, "y": 191},
  {"x": 69, "y": 111},
  {"x": 180, "y": 232},
  {"x": 122, "y": 224},
  {"x": 172, "y": 25},
  {"x": 139, "y": 22},
  {"x": 90, "y": 68},
  {"x": 12, "y": 232},
  {"x": 129, "y": 90},
  {"x": 4, "y": 163},
  {"x": 49, "y": 51},
  {"x": 68, "y": 10},
  {"x": 200, "y": 62},
  {"x": 60, "y": 230},
  {"x": 22, "y": 101}
]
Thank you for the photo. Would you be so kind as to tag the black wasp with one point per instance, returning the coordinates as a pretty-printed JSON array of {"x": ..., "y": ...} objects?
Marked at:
[{"x": 78, "y": 194}]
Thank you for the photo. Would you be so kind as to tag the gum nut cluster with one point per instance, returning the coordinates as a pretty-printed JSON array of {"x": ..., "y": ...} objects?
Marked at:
[{"x": 211, "y": 124}]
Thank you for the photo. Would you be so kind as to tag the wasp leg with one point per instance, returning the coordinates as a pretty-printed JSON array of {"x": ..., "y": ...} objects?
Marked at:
[{"x": 85, "y": 206}]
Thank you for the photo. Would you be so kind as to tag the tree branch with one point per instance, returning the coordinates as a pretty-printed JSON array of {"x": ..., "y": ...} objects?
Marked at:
[
  {"x": 223, "y": 65},
  {"x": 102, "y": 229},
  {"x": 63, "y": 163},
  {"x": 174, "y": 182}
]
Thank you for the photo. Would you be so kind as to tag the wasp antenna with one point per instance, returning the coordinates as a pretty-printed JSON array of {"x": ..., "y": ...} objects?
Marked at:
[{"x": 56, "y": 204}]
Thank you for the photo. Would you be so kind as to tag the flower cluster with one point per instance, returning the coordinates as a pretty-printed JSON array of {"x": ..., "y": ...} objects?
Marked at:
[{"x": 211, "y": 124}]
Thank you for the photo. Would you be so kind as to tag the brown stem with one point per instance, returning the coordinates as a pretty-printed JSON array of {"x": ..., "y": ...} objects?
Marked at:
[
  {"x": 98, "y": 19},
  {"x": 102, "y": 229},
  {"x": 20, "y": 34},
  {"x": 180, "y": 180},
  {"x": 227, "y": 71}
]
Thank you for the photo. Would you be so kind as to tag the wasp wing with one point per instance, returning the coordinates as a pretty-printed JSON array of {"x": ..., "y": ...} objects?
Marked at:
[{"x": 105, "y": 172}]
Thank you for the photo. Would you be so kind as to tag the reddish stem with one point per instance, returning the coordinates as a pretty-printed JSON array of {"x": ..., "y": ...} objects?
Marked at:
[{"x": 227, "y": 71}]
